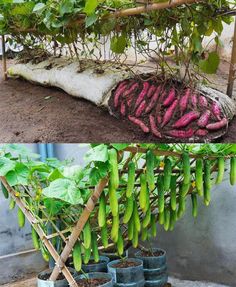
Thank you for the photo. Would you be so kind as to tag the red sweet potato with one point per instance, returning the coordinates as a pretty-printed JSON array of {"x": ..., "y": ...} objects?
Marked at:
[
  {"x": 170, "y": 98},
  {"x": 169, "y": 113},
  {"x": 216, "y": 110},
  {"x": 194, "y": 100},
  {"x": 132, "y": 88},
  {"x": 154, "y": 129},
  {"x": 139, "y": 123},
  {"x": 203, "y": 102},
  {"x": 119, "y": 91},
  {"x": 186, "y": 119},
  {"x": 142, "y": 94},
  {"x": 153, "y": 100},
  {"x": 181, "y": 133},
  {"x": 151, "y": 90},
  {"x": 204, "y": 119},
  {"x": 122, "y": 108},
  {"x": 140, "y": 109},
  {"x": 217, "y": 125},
  {"x": 201, "y": 132},
  {"x": 183, "y": 103}
]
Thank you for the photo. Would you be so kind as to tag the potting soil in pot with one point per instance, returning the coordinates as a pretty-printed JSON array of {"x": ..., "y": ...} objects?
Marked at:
[{"x": 92, "y": 282}]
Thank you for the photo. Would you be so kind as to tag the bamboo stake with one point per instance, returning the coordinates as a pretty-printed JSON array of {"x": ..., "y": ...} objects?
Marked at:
[
  {"x": 78, "y": 229},
  {"x": 232, "y": 67},
  {"x": 38, "y": 229},
  {"x": 4, "y": 58}
]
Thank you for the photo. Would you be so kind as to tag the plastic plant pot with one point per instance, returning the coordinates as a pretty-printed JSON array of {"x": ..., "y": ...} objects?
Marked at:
[
  {"x": 101, "y": 266},
  {"x": 97, "y": 275},
  {"x": 42, "y": 279},
  {"x": 154, "y": 267},
  {"x": 131, "y": 276},
  {"x": 114, "y": 256}
]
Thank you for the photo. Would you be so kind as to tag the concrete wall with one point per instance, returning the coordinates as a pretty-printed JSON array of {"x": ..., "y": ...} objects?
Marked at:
[{"x": 205, "y": 248}]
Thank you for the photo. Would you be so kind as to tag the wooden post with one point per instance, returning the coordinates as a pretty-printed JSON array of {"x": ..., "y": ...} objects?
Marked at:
[
  {"x": 77, "y": 230},
  {"x": 232, "y": 68},
  {"x": 4, "y": 58}
]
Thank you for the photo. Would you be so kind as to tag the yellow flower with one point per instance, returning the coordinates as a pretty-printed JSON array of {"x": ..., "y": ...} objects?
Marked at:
[
  {"x": 17, "y": 194},
  {"x": 193, "y": 184},
  {"x": 162, "y": 164}
]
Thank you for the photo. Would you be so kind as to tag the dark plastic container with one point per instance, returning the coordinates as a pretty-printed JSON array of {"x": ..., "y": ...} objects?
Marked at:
[
  {"x": 115, "y": 256},
  {"x": 155, "y": 269},
  {"x": 98, "y": 275},
  {"x": 101, "y": 266},
  {"x": 127, "y": 277}
]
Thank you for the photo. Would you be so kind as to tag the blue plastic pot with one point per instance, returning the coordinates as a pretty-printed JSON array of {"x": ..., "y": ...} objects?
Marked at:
[
  {"x": 95, "y": 275},
  {"x": 101, "y": 266}
]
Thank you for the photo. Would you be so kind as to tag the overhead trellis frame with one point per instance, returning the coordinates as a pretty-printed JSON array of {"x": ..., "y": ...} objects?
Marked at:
[
  {"x": 70, "y": 234},
  {"x": 146, "y": 8}
]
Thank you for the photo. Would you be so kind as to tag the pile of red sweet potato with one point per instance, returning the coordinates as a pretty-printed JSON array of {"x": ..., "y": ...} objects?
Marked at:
[{"x": 167, "y": 109}]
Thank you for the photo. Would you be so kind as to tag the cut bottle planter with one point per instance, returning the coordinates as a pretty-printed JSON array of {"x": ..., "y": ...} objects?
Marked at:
[
  {"x": 154, "y": 266},
  {"x": 130, "y": 276},
  {"x": 43, "y": 279},
  {"x": 101, "y": 266},
  {"x": 97, "y": 275}
]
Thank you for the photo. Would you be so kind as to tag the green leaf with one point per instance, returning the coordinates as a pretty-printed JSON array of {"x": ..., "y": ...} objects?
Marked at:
[
  {"x": 55, "y": 174},
  {"x": 90, "y": 7},
  {"x": 53, "y": 206},
  {"x": 39, "y": 7},
  {"x": 120, "y": 146},
  {"x": 118, "y": 44},
  {"x": 6, "y": 165},
  {"x": 90, "y": 20},
  {"x": 98, "y": 153},
  {"x": 210, "y": 65},
  {"x": 19, "y": 176},
  {"x": 64, "y": 189}
]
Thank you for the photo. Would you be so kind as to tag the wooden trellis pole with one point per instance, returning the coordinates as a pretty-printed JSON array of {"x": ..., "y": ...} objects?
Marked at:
[
  {"x": 4, "y": 58},
  {"x": 232, "y": 68}
]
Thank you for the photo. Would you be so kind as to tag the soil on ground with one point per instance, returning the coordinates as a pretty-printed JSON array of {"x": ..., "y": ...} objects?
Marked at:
[{"x": 31, "y": 113}]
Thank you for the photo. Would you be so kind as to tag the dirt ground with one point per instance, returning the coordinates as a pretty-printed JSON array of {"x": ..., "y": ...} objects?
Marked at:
[{"x": 31, "y": 113}]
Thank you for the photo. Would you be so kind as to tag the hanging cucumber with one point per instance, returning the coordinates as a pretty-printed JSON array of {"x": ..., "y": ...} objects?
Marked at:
[
  {"x": 21, "y": 218},
  {"x": 143, "y": 192},
  {"x": 12, "y": 204},
  {"x": 137, "y": 223},
  {"x": 104, "y": 236},
  {"x": 131, "y": 179},
  {"x": 44, "y": 252},
  {"x": 87, "y": 235},
  {"x": 87, "y": 255},
  {"x": 102, "y": 210},
  {"x": 114, "y": 172},
  {"x": 4, "y": 191},
  {"x": 194, "y": 205},
  {"x": 144, "y": 234},
  {"x": 221, "y": 170},
  {"x": 167, "y": 219},
  {"x": 135, "y": 238},
  {"x": 35, "y": 239},
  {"x": 161, "y": 218},
  {"x": 207, "y": 182},
  {"x": 147, "y": 218},
  {"x": 161, "y": 194},
  {"x": 131, "y": 228},
  {"x": 167, "y": 173},
  {"x": 173, "y": 188},
  {"x": 186, "y": 168},
  {"x": 199, "y": 176},
  {"x": 153, "y": 226},
  {"x": 77, "y": 257},
  {"x": 95, "y": 247},
  {"x": 128, "y": 209},
  {"x": 115, "y": 228},
  {"x": 182, "y": 205},
  {"x": 150, "y": 165},
  {"x": 173, "y": 218},
  {"x": 233, "y": 170},
  {"x": 120, "y": 244},
  {"x": 113, "y": 200}
]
